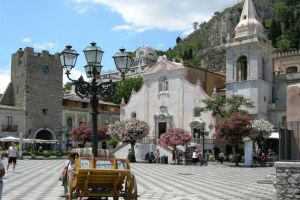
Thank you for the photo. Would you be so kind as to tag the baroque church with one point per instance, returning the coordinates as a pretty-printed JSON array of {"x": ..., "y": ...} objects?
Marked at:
[{"x": 270, "y": 80}]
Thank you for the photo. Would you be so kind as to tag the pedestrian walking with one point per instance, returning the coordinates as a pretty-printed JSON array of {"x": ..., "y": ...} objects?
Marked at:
[
  {"x": 12, "y": 156},
  {"x": 195, "y": 157},
  {"x": 157, "y": 156},
  {"x": 2, "y": 173},
  {"x": 67, "y": 171},
  {"x": 221, "y": 157}
]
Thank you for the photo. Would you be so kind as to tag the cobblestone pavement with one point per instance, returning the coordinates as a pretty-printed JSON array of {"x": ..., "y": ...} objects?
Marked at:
[{"x": 38, "y": 179}]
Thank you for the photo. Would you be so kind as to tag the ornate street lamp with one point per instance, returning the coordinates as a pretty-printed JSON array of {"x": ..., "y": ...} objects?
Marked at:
[
  {"x": 93, "y": 89},
  {"x": 203, "y": 133}
]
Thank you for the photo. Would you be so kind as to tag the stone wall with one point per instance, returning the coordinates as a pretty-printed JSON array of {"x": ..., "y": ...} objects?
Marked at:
[{"x": 287, "y": 180}]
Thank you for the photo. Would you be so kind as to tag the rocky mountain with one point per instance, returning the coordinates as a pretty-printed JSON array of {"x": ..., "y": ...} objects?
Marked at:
[{"x": 205, "y": 46}]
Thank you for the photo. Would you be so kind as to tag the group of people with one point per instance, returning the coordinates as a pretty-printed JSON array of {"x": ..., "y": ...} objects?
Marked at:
[
  {"x": 197, "y": 157},
  {"x": 153, "y": 158},
  {"x": 260, "y": 158}
]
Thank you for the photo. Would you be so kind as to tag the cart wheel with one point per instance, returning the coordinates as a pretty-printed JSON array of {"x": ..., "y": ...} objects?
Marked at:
[{"x": 130, "y": 188}]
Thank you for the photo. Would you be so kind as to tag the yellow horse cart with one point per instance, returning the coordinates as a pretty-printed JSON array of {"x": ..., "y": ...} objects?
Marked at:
[{"x": 97, "y": 178}]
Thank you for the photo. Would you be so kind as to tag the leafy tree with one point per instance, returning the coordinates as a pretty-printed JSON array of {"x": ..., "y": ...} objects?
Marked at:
[
  {"x": 124, "y": 89},
  {"x": 283, "y": 44},
  {"x": 233, "y": 129},
  {"x": 261, "y": 130},
  {"x": 178, "y": 40},
  {"x": 224, "y": 107},
  {"x": 174, "y": 137},
  {"x": 68, "y": 86},
  {"x": 195, "y": 25},
  {"x": 129, "y": 131}
]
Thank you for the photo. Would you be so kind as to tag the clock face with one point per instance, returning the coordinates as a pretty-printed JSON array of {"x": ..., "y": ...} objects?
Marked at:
[{"x": 46, "y": 69}]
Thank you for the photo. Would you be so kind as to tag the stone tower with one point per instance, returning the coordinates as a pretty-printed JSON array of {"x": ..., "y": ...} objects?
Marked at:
[
  {"x": 37, "y": 87},
  {"x": 249, "y": 62}
]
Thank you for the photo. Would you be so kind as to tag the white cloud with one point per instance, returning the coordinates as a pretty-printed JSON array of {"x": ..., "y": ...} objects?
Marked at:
[
  {"x": 5, "y": 79},
  {"x": 75, "y": 74},
  {"x": 26, "y": 40},
  {"x": 124, "y": 27},
  {"x": 45, "y": 46},
  {"x": 167, "y": 15},
  {"x": 41, "y": 46}
]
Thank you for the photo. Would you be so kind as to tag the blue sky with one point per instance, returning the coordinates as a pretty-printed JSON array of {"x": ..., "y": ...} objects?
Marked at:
[{"x": 52, "y": 24}]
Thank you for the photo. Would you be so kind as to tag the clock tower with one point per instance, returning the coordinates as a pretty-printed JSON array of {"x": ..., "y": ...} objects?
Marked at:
[
  {"x": 249, "y": 64},
  {"x": 37, "y": 87}
]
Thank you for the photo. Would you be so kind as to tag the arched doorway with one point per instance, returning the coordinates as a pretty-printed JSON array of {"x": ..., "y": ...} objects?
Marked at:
[{"x": 43, "y": 134}]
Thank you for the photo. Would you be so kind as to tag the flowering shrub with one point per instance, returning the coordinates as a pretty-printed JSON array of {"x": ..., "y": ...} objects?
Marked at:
[
  {"x": 83, "y": 133},
  {"x": 233, "y": 129},
  {"x": 261, "y": 129},
  {"x": 129, "y": 130},
  {"x": 174, "y": 137}
]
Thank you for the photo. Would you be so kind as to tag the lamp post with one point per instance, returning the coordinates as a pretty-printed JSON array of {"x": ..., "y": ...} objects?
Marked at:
[
  {"x": 92, "y": 88},
  {"x": 203, "y": 133}
]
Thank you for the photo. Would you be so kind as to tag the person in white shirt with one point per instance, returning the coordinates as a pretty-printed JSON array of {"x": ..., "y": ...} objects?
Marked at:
[
  {"x": 2, "y": 173},
  {"x": 195, "y": 157},
  {"x": 12, "y": 156}
]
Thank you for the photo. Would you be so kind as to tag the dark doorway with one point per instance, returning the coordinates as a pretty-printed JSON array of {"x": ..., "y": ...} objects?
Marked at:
[
  {"x": 43, "y": 135},
  {"x": 162, "y": 128},
  {"x": 196, "y": 133}
]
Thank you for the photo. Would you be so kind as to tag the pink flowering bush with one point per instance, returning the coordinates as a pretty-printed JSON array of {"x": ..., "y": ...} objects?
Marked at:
[
  {"x": 174, "y": 137},
  {"x": 83, "y": 133},
  {"x": 129, "y": 131}
]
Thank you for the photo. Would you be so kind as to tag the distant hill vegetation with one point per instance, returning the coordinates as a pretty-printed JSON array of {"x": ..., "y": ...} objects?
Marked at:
[{"x": 205, "y": 46}]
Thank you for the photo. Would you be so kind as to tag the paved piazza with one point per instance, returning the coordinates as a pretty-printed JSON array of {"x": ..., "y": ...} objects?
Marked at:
[{"x": 38, "y": 179}]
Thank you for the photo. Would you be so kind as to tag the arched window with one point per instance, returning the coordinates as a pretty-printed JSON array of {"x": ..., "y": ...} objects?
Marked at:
[
  {"x": 293, "y": 69},
  {"x": 133, "y": 115},
  {"x": 163, "y": 84},
  {"x": 242, "y": 71},
  {"x": 197, "y": 112}
]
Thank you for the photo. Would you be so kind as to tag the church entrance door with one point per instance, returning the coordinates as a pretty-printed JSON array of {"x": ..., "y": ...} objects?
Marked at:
[{"x": 162, "y": 128}]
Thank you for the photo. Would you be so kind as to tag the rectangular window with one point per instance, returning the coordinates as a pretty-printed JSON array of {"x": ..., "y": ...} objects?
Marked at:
[
  {"x": 45, "y": 111},
  {"x": 9, "y": 121}
]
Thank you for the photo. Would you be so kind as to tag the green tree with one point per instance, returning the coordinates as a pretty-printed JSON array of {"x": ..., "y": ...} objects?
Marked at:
[
  {"x": 124, "y": 89},
  {"x": 223, "y": 107},
  {"x": 68, "y": 86}
]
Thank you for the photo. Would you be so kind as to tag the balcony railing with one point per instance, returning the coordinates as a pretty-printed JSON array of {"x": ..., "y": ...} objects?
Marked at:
[
  {"x": 9, "y": 128},
  {"x": 199, "y": 141}
]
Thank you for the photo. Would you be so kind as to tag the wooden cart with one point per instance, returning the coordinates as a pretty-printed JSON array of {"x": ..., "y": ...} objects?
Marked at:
[{"x": 97, "y": 178}]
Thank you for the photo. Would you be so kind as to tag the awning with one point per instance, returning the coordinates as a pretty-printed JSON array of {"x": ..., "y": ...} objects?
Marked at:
[
  {"x": 274, "y": 135},
  {"x": 10, "y": 139}
]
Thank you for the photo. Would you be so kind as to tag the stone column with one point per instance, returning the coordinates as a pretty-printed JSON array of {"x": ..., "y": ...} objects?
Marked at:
[
  {"x": 248, "y": 151},
  {"x": 287, "y": 180}
]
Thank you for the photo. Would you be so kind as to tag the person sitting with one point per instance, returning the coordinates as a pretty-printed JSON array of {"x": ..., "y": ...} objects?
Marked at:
[
  {"x": 147, "y": 157},
  {"x": 263, "y": 159},
  {"x": 151, "y": 157},
  {"x": 270, "y": 153}
]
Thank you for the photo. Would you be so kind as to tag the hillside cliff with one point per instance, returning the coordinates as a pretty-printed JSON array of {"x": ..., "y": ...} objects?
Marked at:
[{"x": 205, "y": 46}]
